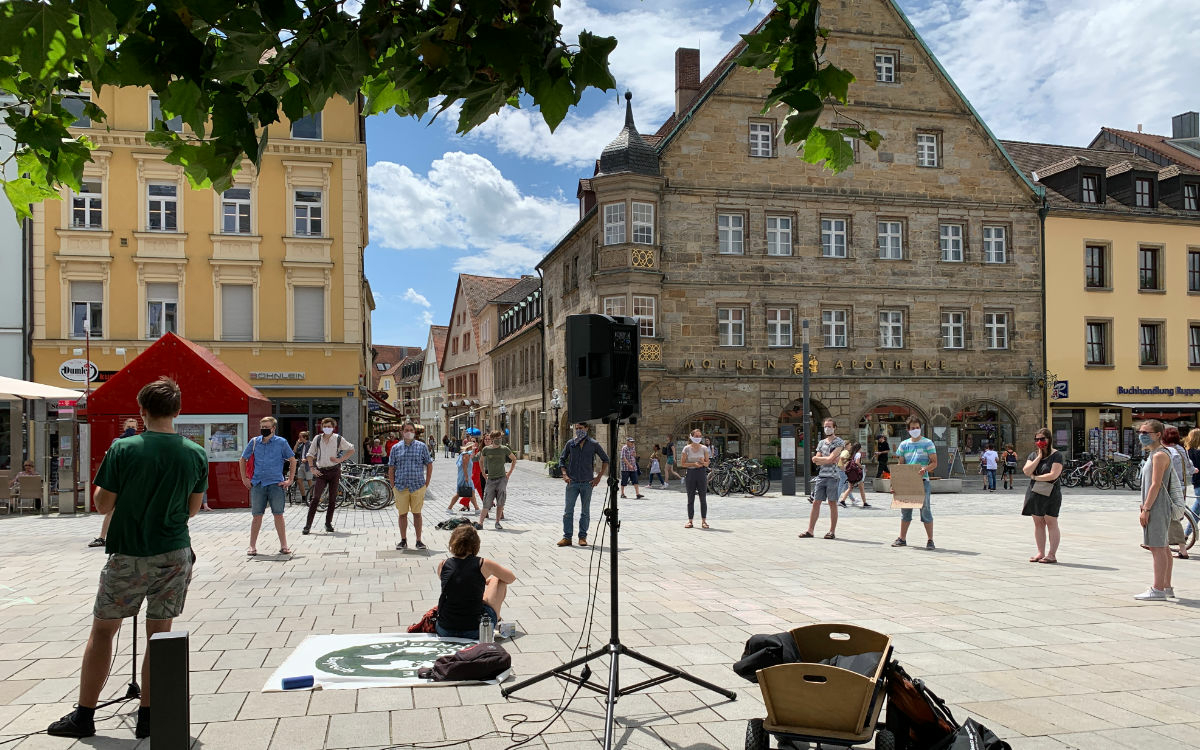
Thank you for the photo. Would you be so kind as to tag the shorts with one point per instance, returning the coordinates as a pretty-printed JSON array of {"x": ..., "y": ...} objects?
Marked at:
[
  {"x": 303, "y": 470},
  {"x": 126, "y": 581},
  {"x": 261, "y": 494},
  {"x": 826, "y": 488},
  {"x": 409, "y": 501},
  {"x": 670, "y": 460},
  {"x": 495, "y": 492},
  {"x": 628, "y": 477},
  {"x": 472, "y": 634}
]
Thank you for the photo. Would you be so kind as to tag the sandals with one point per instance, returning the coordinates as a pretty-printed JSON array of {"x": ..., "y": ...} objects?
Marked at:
[
  {"x": 285, "y": 550},
  {"x": 687, "y": 525},
  {"x": 806, "y": 535},
  {"x": 251, "y": 552},
  {"x": 830, "y": 536},
  {"x": 704, "y": 524},
  {"x": 1048, "y": 560},
  {"x": 1037, "y": 558}
]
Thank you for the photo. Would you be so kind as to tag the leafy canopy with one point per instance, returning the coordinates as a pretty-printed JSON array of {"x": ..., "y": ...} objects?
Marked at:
[{"x": 227, "y": 68}]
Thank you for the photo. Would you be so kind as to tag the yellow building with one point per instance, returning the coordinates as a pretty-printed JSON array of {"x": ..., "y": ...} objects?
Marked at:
[
  {"x": 1122, "y": 241},
  {"x": 269, "y": 274}
]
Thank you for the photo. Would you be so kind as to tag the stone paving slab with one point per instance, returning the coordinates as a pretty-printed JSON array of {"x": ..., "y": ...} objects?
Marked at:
[{"x": 1050, "y": 656}]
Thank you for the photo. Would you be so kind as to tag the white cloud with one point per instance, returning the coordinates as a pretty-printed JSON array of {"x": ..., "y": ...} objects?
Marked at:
[
  {"x": 1059, "y": 71},
  {"x": 415, "y": 297},
  {"x": 465, "y": 203}
]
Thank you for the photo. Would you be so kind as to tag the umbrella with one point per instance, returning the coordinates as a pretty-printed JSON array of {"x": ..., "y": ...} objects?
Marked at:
[{"x": 12, "y": 389}]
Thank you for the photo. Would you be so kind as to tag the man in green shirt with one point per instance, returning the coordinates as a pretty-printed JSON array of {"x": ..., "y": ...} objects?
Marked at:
[
  {"x": 495, "y": 490},
  {"x": 152, "y": 484}
]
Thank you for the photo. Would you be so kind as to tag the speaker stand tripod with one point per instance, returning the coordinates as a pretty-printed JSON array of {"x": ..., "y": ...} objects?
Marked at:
[
  {"x": 615, "y": 649},
  {"x": 133, "y": 691}
]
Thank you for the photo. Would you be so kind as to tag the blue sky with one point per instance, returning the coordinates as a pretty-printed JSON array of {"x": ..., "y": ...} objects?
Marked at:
[{"x": 494, "y": 201}]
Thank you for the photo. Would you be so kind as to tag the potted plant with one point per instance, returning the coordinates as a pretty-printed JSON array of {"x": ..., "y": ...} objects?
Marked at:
[
  {"x": 554, "y": 469},
  {"x": 774, "y": 467}
]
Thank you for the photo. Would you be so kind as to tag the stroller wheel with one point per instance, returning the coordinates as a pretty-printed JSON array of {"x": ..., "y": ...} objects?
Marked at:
[
  {"x": 885, "y": 740},
  {"x": 756, "y": 736}
]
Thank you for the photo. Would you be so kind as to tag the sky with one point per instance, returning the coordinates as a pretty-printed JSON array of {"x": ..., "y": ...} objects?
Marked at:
[{"x": 495, "y": 201}]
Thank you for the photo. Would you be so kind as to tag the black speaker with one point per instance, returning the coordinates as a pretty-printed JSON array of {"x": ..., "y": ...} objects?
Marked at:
[{"x": 602, "y": 368}]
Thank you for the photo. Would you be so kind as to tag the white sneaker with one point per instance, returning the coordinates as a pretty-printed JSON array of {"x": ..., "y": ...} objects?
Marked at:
[
  {"x": 1170, "y": 592},
  {"x": 1152, "y": 595}
]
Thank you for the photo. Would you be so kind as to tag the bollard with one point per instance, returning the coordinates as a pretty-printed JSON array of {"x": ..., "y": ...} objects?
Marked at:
[{"x": 170, "y": 721}]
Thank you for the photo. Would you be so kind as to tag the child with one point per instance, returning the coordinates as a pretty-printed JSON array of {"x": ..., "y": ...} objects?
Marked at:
[
  {"x": 656, "y": 469},
  {"x": 464, "y": 492},
  {"x": 854, "y": 476}
]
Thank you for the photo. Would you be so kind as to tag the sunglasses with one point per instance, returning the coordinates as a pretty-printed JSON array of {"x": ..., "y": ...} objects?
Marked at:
[{"x": 1040, "y": 440}]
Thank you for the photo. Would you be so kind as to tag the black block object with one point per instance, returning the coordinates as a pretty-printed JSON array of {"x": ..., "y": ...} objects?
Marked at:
[
  {"x": 602, "y": 368},
  {"x": 169, "y": 670}
]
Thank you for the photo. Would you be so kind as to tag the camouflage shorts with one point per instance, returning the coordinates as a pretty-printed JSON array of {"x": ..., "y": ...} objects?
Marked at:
[{"x": 126, "y": 581}]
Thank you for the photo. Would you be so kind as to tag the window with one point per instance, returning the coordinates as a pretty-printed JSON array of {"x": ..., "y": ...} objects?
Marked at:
[
  {"x": 237, "y": 312},
  {"x": 643, "y": 223},
  {"x": 308, "y": 127},
  {"x": 162, "y": 208},
  {"x": 614, "y": 305},
  {"x": 87, "y": 309},
  {"x": 643, "y": 310},
  {"x": 1142, "y": 193},
  {"x": 927, "y": 149},
  {"x": 1089, "y": 192},
  {"x": 762, "y": 139},
  {"x": 162, "y": 308},
  {"x": 1148, "y": 269},
  {"x": 835, "y": 328},
  {"x": 891, "y": 329},
  {"x": 454, "y": 345},
  {"x": 1095, "y": 267},
  {"x": 954, "y": 329},
  {"x": 1149, "y": 338},
  {"x": 614, "y": 223},
  {"x": 1194, "y": 345},
  {"x": 779, "y": 326},
  {"x": 308, "y": 213},
  {"x": 1193, "y": 271},
  {"x": 86, "y": 206},
  {"x": 1096, "y": 343},
  {"x": 731, "y": 326},
  {"x": 467, "y": 341},
  {"x": 75, "y": 103},
  {"x": 1191, "y": 197},
  {"x": 833, "y": 238},
  {"x": 891, "y": 240},
  {"x": 779, "y": 235},
  {"x": 995, "y": 326},
  {"x": 175, "y": 123},
  {"x": 952, "y": 243},
  {"x": 885, "y": 67},
  {"x": 309, "y": 304},
  {"x": 729, "y": 233},
  {"x": 235, "y": 211},
  {"x": 995, "y": 244}
]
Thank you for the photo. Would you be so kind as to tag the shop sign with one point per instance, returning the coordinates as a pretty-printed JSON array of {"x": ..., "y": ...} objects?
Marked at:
[
  {"x": 1061, "y": 389},
  {"x": 1157, "y": 391},
  {"x": 276, "y": 375},
  {"x": 670, "y": 401},
  {"x": 78, "y": 370},
  {"x": 839, "y": 366}
]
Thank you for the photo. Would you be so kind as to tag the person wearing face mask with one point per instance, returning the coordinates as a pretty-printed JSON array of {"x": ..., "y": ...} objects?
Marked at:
[
  {"x": 410, "y": 467},
  {"x": 829, "y": 477},
  {"x": 1160, "y": 490},
  {"x": 268, "y": 485},
  {"x": 578, "y": 464},
  {"x": 695, "y": 458},
  {"x": 917, "y": 450},
  {"x": 325, "y": 457},
  {"x": 1044, "y": 465}
]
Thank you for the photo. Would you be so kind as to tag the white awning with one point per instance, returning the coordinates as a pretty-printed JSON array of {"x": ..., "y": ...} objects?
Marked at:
[
  {"x": 12, "y": 389},
  {"x": 1159, "y": 406}
]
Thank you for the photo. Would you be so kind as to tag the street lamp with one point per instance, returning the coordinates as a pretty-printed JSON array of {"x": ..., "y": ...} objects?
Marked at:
[{"x": 556, "y": 404}]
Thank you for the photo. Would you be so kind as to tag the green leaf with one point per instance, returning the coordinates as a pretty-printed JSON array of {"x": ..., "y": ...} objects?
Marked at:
[
  {"x": 589, "y": 66},
  {"x": 23, "y": 191},
  {"x": 835, "y": 82},
  {"x": 830, "y": 147}
]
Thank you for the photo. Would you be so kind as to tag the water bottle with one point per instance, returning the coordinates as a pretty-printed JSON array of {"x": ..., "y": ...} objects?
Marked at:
[{"x": 486, "y": 629}]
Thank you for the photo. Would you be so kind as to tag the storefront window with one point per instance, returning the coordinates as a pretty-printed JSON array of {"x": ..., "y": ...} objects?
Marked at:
[
  {"x": 889, "y": 419},
  {"x": 725, "y": 434},
  {"x": 979, "y": 423},
  {"x": 299, "y": 414}
]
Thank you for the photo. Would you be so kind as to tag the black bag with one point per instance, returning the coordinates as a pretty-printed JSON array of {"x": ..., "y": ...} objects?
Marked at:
[
  {"x": 974, "y": 736},
  {"x": 483, "y": 661},
  {"x": 919, "y": 719},
  {"x": 764, "y": 651}
]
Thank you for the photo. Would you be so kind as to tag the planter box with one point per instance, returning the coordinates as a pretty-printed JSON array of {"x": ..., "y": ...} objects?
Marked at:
[
  {"x": 881, "y": 485},
  {"x": 556, "y": 472}
]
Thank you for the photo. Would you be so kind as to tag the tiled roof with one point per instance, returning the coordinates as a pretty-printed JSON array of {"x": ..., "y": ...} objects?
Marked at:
[
  {"x": 391, "y": 356},
  {"x": 628, "y": 152},
  {"x": 1158, "y": 144},
  {"x": 518, "y": 291},
  {"x": 438, "y": 335},
  {"x": 475, "y": 291}
]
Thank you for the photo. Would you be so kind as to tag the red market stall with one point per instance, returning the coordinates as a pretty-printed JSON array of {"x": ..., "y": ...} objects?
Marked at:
[{"x": 220, "y": 410}]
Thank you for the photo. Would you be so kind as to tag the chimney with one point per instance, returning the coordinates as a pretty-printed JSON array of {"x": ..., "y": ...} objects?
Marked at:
[
  {"x": 1139, "y": 127},
  {"x": 687, "y": 78},
  {"x": 1186, "y": 125}
]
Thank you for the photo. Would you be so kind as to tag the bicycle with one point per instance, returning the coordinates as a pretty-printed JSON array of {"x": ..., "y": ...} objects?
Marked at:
[
  {"x": 739, "y": 475},
  {"x": 1190, "y": 525},
  {"x": 362, "y": 487}
]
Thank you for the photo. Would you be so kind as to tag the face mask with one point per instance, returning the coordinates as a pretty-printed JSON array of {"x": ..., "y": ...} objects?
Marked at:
[
  {"x": 915, "y": 433},
  {"x": 1145, "y": 440},
  {"x": 409, "y": 435},
  {"x": 266, "y": 431},
  {"x": 696, "y": 439},
  {"x": 581, "y": 434},
  {"x": 327, "y": 430},
  {"x": 829, "y": 430}
]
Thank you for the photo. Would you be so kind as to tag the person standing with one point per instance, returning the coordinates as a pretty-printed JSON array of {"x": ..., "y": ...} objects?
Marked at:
[
  {"x": 656, "y": 468},
  {"x": 326, "y": 456},
  {"x": 303, "y": 470},
  {"x": 152, "y": 484},
  {"x": 990, "y": 460},
  {"x": 377, "y": 455},
  {"x": 446, "y": 445},
  {"x": 1045, "y": 464},
  {"x": 669, "y": 456},
  {"x": 130, "y": 429},
  {"x": 464, "y": 490},
  {"x": 1181, "y": 464},
  {"x": 1192, "y": 443},
  {"x": 855, "y": 475},
  {"x": 268, "y": 486},
  {"x": 410, "y": 467},
  {"x": 919, "y": 451},
  {"x": 391, "y": 443},
  {"x": 1159, "y": 485},
  {"x": 829, "y": 478},
  {"x": 1009, "y": 458},
  {"x": 495, "y": 492},
  {"x": 882, "y": 451},
  {"x": 629, "y": 468},
  {"x": 578, "y": 465},
  {"x": 695, "y": 459}
]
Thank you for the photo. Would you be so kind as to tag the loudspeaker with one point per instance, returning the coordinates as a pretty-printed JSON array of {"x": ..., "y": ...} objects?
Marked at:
[{"x": 602, "y": 368}]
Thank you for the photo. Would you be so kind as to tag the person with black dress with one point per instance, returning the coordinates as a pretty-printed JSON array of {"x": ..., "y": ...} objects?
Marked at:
[
  {"x": 1044, "y": 465},
  {"x": 472, "y": 587},
  {"x": 882, "y": 449}
]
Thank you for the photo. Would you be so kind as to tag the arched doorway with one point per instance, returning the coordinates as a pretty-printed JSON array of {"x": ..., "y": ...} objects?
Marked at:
[
  {"x": 794, "y": 415},
  {"x": 727, "y": 436},
  {"x": 889, "y": 419},
  {"x": 979, "y": 422}
]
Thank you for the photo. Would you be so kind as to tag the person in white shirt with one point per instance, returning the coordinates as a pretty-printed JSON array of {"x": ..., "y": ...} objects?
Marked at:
[
  {"x": 325, "y": 456},
  {"x": 990, "y": 460}
]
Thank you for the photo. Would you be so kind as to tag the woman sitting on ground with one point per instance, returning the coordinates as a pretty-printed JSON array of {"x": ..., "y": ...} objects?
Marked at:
[{"x": 472, "y": 586}]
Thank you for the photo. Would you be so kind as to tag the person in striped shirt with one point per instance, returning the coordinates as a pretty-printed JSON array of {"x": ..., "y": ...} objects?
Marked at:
[{"x": 918, "y": 450}]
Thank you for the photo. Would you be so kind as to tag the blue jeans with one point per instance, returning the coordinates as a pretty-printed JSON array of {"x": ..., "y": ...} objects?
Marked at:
[
  {"x": 926, "y": 513},
  {"x": 1195, "y": 509},
  {"x": 843, "y": 483},
  {"x": 583, "y": 492},
  {"x": 471, "y": 634},
  {"x": 262, "y": 494},
  {"x": 991, "y": 478}
]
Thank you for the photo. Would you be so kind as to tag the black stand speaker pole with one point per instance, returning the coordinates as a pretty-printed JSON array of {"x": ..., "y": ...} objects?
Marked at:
[
  {"x": 134, "y": 691},
  {"x": 615, "y": 649}
]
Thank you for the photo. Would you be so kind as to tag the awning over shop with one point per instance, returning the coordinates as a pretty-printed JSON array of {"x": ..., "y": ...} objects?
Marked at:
[
  {"x": 12, "y": 389},
  {"x": 384, "y": 405}
]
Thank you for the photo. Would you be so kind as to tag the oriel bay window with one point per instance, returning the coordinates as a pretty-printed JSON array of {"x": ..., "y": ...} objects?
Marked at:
[
  {"x": 614, "y": 223},
  {"x": 643, "y": 223},
  {"x": 644, "y": 311},
  {"x": 162, "y": 207},
  {"x": 614, "y": 305},
  {"x": 731, "y": 326},
  {"x": 87, "y": 206},
  {"x": 162, "y": 309},
  {"x": 235, "y": 211}
]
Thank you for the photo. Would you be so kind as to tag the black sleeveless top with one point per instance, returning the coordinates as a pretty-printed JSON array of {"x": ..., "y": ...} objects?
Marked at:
[{"x": 461, "y": 603}]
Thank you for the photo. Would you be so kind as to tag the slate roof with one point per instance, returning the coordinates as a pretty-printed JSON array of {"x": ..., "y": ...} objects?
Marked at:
[
  {"x": 518, "y": 291},
  {"x": 628, "y": 152},
  {"x": 391, "y": 356},
  {"x": 1158, "y": 144}
]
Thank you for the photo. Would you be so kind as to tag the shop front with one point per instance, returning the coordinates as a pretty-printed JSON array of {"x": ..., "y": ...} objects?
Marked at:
[{"x": 1104, "y": 429}]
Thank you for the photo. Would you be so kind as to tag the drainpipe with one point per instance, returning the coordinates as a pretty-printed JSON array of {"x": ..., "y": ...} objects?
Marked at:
[
  {"x": 542, "y": 333},
  {"x": 1043, "y": 210}
]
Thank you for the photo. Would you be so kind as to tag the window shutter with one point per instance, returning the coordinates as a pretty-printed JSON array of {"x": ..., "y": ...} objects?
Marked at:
[
  {"x": 87, "y": 291},
  {"x": 309, "y": 302},
  {"x": 163, "y": 292},
  {"x": 237, "y": 312}
]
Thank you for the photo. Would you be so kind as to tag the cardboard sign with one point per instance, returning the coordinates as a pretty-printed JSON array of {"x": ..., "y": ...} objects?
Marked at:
[{"x": 908, "y": 486}]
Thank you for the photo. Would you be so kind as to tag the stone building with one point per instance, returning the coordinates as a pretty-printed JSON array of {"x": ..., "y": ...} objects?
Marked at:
[
  {"x": 466, "y": 374},
  {"x": 918, "y": 268},
  {"x": 517, "y": 366}
]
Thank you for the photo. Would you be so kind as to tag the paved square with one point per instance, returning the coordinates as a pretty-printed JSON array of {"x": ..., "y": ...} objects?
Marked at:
[{"x": 1048, "y": 656}]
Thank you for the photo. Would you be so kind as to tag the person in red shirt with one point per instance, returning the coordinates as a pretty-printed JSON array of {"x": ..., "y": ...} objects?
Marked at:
[{"x": 391, "y": 441}]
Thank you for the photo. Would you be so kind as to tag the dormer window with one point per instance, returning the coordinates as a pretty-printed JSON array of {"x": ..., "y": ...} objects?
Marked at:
[
  {"x": 1191, "y": 196},
  {"x": 1142, "y": 193},
  {"x": 1090, "y": 191}
]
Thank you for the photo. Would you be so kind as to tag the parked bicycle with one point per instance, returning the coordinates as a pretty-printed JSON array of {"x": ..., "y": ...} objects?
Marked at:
[
  {"x": 362, "y": 485},
  {"x": 739, "y": 475}
]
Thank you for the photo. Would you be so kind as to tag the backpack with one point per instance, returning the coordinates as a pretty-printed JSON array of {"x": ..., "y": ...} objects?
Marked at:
[
  {"x": 854, "y": 472},
  {"x": 483, "y": 661},
  {"x": 918, "y": 718},
  {"x": 315, "y": 447},
  {"x": 427, "y": 623}
]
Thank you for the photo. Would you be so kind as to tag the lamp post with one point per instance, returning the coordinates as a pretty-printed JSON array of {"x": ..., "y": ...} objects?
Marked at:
[
  {"x": 556, "y": 404},
  {"x": 503, "y": 410}
]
